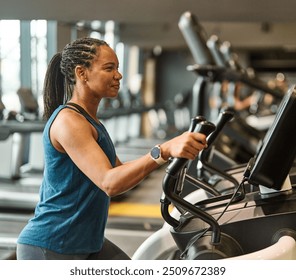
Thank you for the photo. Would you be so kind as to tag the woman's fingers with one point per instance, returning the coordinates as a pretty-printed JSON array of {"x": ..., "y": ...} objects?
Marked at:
[{"x": 187, "y": 145}]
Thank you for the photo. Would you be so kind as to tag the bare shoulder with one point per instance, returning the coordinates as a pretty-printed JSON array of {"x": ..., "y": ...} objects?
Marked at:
[
  {"x": 68, "y": 127},
  {"x": 69, "y": 120}
]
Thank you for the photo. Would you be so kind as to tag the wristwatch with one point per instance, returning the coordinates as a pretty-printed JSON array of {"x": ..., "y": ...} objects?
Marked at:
[{"x": 155, "y": 154}]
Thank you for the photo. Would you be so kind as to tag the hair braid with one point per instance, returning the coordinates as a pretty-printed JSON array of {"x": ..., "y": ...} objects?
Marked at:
[{"x": 60, "y": 75}]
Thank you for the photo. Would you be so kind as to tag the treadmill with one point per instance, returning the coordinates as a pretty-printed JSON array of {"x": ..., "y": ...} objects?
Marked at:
[{"x": 19, "y": 188}]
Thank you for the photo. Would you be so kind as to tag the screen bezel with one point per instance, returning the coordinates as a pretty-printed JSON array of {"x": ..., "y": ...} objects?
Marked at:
[{"x": 276, "y": 155}]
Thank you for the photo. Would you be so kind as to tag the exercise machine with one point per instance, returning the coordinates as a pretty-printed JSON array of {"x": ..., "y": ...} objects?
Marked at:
[
  {"x": 214, "y": 64},
  {"x": 253, "y": 219}
]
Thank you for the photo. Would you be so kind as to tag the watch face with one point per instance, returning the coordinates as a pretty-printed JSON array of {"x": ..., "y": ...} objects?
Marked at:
[{"x": 155, "y": 152}]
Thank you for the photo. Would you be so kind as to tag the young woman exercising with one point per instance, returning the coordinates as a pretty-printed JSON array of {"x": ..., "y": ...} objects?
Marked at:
[{"x": 82, "y": 170}]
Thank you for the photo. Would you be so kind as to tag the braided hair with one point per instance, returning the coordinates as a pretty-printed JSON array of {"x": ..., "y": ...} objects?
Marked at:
[{"x": 60, "y": 75}]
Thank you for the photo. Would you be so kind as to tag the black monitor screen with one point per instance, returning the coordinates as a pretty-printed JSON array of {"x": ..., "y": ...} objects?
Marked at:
[{"x": 276, "y": 155}]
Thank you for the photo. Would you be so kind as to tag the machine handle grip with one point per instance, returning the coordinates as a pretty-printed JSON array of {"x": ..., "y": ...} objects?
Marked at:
[{"x": 198, "y": 124}]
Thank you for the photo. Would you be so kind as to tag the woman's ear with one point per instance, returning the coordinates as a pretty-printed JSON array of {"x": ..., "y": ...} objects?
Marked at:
[{"x": 80, "y": 73}]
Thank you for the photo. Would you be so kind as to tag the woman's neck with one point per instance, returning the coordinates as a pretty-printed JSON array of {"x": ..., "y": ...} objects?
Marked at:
[{"x": 90, "y": 108}]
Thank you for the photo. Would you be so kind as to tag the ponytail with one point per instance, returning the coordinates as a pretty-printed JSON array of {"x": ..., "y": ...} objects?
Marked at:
[{"x": 54, "y": 86}]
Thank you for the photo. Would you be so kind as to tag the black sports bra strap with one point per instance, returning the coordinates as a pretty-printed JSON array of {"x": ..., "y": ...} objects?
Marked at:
[
  {"x": 82, "y": 111},
  {"x": 78, "y": 107}
]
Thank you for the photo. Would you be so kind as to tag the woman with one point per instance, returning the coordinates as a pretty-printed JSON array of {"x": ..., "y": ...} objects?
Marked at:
[{"x": 82, "y": 170}]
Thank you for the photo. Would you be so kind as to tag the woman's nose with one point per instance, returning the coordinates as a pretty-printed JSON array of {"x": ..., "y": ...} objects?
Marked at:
[{"x": 117, "y": 75}]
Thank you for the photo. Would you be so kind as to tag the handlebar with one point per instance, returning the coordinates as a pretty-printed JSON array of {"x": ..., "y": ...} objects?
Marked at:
[
  {"x": 213, "y": 45},
  {"x": 225, "y": 117},
  {"x": 214, "y": 59},
  {"x": 219, "y": 73},
  {"x": 197, "y": 125},
  {"x": 170, "y": 180},
  {"x": 195, "y": 38}
]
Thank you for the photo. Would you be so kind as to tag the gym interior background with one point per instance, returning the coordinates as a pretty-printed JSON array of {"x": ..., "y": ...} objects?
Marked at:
[{"x": 155, "y": 98}]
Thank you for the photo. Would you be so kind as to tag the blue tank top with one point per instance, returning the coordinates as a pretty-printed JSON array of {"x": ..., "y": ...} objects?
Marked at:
[{"x": 72, "y": 213}]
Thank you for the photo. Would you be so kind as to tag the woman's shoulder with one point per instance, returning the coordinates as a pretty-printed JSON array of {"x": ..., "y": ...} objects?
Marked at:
[
  {"x": 69, "y": 129},
  {"x": 69, "y": 118}
]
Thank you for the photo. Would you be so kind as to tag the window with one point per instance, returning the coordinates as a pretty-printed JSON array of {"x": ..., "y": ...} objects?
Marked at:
[
  {"x": 23, "y": 58},
  {"x": 38, "y": 54},
  {"x": 10, "y": 62}
]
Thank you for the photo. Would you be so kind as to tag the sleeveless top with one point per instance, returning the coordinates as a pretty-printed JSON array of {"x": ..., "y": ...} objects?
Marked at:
[{"x": 72, "y": 213}]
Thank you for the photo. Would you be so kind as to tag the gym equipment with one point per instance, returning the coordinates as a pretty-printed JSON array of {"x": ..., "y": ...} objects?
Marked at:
[
  {"x": 29, "y": 104},
  {"x": 33, "y": 156},
  {"x": 19, "y": 188},
  {"x": 215, "y": 64},
  {"x": 13, "y": 145},
  {"x": 21, "y": 141},
  {"x": 253, "y": 221}
]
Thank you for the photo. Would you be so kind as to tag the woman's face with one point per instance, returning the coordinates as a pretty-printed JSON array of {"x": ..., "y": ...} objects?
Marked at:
[{"x": 103, "y": 77}]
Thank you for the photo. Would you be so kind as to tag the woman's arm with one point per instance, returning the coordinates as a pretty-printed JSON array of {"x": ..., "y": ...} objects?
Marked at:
[{"x": 73, "y": 134}]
